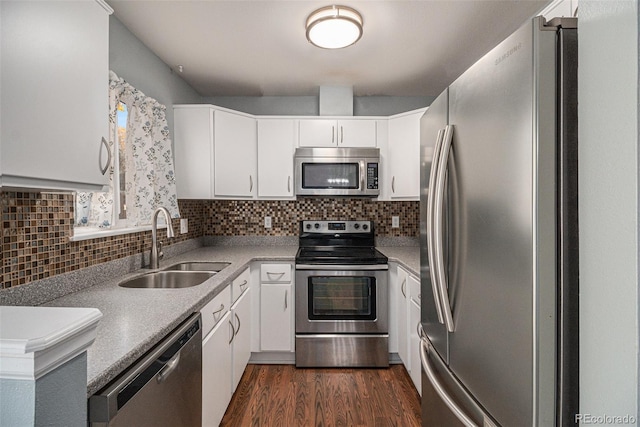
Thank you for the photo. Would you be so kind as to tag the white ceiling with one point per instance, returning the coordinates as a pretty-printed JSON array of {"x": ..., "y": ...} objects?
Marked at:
[{"x": 259, "y": 48}]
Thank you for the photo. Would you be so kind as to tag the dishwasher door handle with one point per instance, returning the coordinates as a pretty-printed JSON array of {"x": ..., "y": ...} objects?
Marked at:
[{"x": 168, "y": 368}]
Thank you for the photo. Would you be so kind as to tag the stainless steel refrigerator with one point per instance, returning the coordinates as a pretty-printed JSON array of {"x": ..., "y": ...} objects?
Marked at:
[{"x": 499, "y": 237}]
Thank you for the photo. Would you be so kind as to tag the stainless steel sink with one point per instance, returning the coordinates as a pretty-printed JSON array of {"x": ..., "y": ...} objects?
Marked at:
[
  {"x": 168, "y": 279},
  {"x": 198, "y": 266}
]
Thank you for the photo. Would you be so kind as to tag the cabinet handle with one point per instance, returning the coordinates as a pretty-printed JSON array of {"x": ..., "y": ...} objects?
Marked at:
[
  {"x": 242, "y": 285},
  {"x": 286, "y": 297},
  {"x": 333, "y": 134},
  {"x": 289, "y": 184},
  {"x": 393, "y": 184},
  {"x": 250, "y": 183},
  {"x": 233, "y": 332},
  {"x": 216, "y": 312},
  {"x": 402, "y": 287},
  {"x": 341, "y": 135},
  {"x": 105, "y": 168},
  {"x": 237, "y": 331},
  {"x": 279, "y": 275}
]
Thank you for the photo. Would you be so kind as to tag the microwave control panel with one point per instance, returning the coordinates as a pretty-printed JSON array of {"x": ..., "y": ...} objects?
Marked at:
[{"x": 372, "y": 176}]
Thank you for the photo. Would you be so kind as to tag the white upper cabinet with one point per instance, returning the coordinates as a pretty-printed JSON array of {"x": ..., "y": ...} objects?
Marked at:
[
  {"x": 54, "y": 101},
  {"x": 276, "y": 145},
  {"x": 337, "y": 133},
  {"x": 193, "y": 142},
  {"x": 403, "y": 178},
  {"x": 235, "y": 155}
]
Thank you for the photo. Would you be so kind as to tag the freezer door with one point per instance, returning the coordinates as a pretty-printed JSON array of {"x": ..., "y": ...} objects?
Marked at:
[
  {"x": 431, "y": 125},
  {"x": 445, "y": 402},
  {"x": 503, "y": 286}
]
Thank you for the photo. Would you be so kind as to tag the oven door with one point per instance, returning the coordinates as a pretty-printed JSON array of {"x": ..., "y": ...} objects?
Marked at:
[{"x": 342, "y": 299}]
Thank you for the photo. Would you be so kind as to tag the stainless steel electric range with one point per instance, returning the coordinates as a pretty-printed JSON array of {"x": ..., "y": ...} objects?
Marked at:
[{"x": 342, "y": 310}]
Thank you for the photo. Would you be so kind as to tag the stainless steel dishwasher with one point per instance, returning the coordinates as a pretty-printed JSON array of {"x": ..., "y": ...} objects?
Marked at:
[{"x": 163, "y": 388}]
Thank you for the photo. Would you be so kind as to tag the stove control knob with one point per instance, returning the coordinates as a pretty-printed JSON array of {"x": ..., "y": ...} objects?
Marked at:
[
  {"x": 317, "y": 225},
  {"x": 356, "y": 226},
  {"x": 365, "y": 227},
  {"x": 308, "y": 226}
]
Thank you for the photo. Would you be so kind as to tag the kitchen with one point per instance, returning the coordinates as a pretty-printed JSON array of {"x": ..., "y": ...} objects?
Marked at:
[{"x": 609, "y": 186}]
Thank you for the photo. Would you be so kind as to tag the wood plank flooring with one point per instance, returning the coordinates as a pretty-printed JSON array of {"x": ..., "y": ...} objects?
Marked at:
[{"x": 283, "y": 396}]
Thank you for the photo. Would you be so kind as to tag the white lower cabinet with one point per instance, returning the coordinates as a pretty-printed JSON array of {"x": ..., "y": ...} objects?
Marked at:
[
  {"x": 405, "y": 294},
  {"x": 414, "y": 339},
  {"x": 402, "y": 312},
  {"x": 276, "y": 308},
  {"x": 216, "y": 357},
  {"x": 241, "y": 339},
  {"x": 216, "y": 371},
  {"x": 226, "y": 347},
  {"x": 275, "y": 317}
]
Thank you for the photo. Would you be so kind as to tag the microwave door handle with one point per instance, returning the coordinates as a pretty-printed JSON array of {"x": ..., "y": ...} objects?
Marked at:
[
  {"x": 430, "y": 238},
  {"x": 362, "y": 173}
]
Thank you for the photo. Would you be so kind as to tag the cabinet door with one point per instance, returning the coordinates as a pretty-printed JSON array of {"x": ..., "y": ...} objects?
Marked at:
[
  {"x": 55, "y": 94},
  {"x": 276, "y": 318},
  {"x": 414, "y": 344},
  {"x": 193, "y": 141},
  {"x": 403, "y": 305},
  {"x": 318, "y": 133},
  {"x": 216, "y": 372},
  {"x": 241, "y": 312},
  {"x": 356, "y": 133},
  {"x": 235, "y": 155},
  {"x": 404, "y": 157},
  {"x": 276, "y": 145}
]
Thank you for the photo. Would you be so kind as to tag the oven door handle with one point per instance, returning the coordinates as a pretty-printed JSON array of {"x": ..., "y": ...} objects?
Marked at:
[{"x": 373, "y": 267}]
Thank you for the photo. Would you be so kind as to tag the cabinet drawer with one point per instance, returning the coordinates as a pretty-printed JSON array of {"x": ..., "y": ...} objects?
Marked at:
[
  {"x": 414, "y": 289},
  {"x": 239, "y": 285},
  {"x": 280, "y": 273},
  {"x": 215, "y": 310}
]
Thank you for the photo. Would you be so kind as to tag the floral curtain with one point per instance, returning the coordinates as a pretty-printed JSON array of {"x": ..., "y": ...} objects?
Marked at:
[{"x": 150, "y": 178}]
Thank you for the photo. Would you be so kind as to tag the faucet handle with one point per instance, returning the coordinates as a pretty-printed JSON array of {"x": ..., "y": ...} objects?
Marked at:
[{"x": 160, "y": 253}]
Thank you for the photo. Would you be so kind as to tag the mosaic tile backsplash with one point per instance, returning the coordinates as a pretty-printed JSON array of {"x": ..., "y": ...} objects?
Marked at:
[
  {"x": 36, "y": 228},
  {"x": 246, "y": 217}
]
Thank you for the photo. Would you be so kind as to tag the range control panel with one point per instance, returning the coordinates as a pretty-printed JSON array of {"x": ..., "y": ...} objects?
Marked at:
[{"x": 331, "y": 227}]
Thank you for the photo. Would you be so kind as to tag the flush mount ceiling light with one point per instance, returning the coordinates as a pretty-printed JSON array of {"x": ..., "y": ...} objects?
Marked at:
[{"x": 334, "y": 27}]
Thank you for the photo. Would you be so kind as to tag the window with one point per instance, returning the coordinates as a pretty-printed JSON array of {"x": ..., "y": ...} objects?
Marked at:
[
  {"x": 141, "y": 175},
  {"x": 120, "y": 178}
]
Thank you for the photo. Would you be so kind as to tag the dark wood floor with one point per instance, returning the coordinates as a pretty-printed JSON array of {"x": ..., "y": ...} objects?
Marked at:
[{"x": 283, "y": 396}]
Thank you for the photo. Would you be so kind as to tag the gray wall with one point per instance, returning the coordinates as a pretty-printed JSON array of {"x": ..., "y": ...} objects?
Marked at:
[
  {"x": 608, "y": 203},
  {"x": 59, "y": 398},
  {"x": 309, "y": 105},
  {"x": 130, "y": 59}
]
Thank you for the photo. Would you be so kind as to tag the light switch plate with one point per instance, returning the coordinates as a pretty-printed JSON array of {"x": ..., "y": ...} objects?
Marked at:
[
  {"x": 267, "y": 222},
  {"x": 184, "y": 225},
  {"x": 395, "y": 222}
]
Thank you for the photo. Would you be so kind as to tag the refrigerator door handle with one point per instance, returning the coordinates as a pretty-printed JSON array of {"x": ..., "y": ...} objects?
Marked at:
[
  {"x": 430, "y": 242},
  {"x": 438, "y": 232},
  {"x": 438, "y": 387}
]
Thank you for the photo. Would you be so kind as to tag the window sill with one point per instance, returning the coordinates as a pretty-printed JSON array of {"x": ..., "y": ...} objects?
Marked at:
[{"x": 86, "y": 233}]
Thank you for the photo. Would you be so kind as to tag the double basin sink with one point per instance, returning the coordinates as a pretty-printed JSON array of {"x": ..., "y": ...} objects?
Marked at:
[{"x": 182, "y": 275}]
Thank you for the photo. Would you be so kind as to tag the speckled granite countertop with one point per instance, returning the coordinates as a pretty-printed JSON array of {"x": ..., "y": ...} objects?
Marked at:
[{"x": 134, "y": 320}]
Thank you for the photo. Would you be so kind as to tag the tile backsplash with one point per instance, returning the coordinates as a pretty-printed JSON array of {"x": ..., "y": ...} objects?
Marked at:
[
  {"x": 36, "y": 228},
  {"x": 246, "y": 217}
]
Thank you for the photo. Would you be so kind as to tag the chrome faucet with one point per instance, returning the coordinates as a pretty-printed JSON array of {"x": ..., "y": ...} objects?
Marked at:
[{"x": 156, "y": 248}]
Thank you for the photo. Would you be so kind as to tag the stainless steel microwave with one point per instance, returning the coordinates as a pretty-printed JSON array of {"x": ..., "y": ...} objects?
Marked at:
[{"x": 337, "y": 171}]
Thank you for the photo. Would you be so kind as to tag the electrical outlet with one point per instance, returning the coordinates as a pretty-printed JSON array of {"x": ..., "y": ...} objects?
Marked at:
[
  {"x": 267, "y": 222},
  {"x": 395, "y": 222},
  {"x": 184, "y": 225}
]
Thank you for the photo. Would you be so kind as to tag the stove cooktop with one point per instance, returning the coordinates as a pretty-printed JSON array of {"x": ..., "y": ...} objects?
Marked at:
[
  {"x": 340, "y": 255},
  {"x": 338, "y": 243}
]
